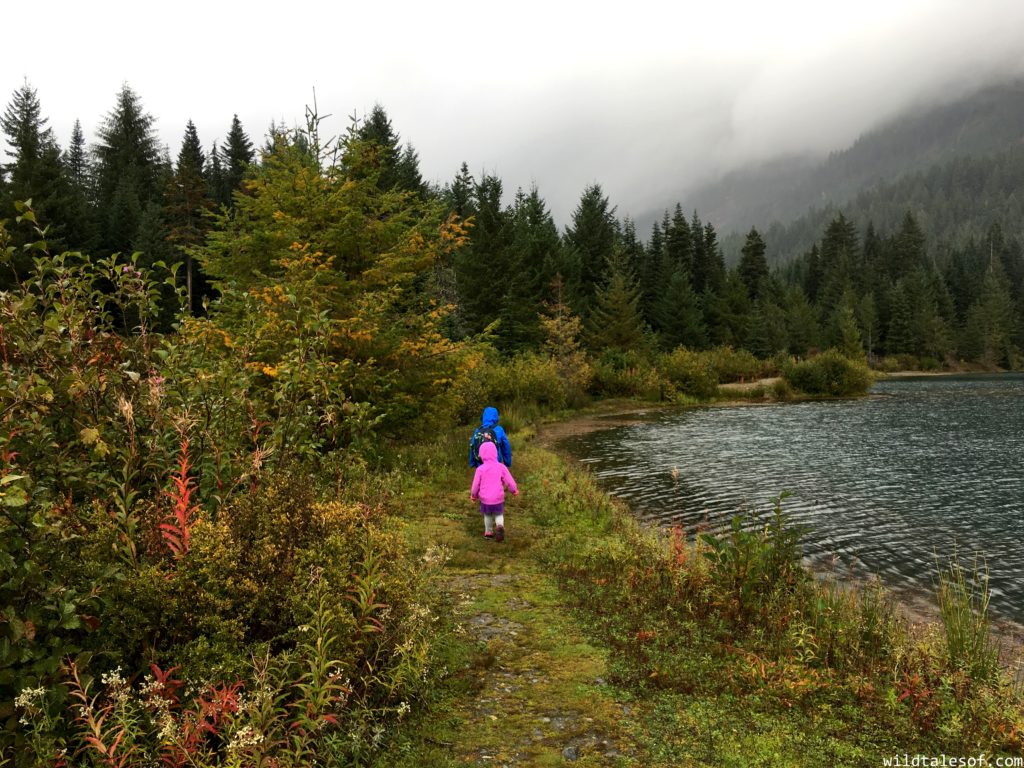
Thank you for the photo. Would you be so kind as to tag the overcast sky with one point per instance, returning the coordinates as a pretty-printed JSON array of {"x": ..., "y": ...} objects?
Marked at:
[{"x": 646, "y": 98}]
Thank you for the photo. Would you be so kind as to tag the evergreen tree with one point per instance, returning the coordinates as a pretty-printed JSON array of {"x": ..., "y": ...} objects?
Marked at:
[
  {"x": 845, "y": 332},
  {"x": 76, "y": 160},
  {"x": 753, "y": 267},
  {"x": 238, "y": 155},
  {"x": 615, "y": 321},
  {"x": 801, "y": 322},
  {"x": 187, "y": 206},
  {"x": 592, "y": 235},
  {"x": 129, "y": 171},
  {"x": 907, "y": 251},
  {"x": 459, "y": 194},
  {"x": 678, "y": 242},
  {"x": 535, "y": 261},
  {"x": 216, "y": 186},
  {"x": 768, "y": 332},
  {"x": 990, "y": 320},
  {"x": 396, "y": 167},
  {"x": 680, "y": 318},
  {"x": 481, "y": 269},
  {"x": 652, "y": 274},
  {"x": 37, "y": 171},
  {"x": 708, "y": 265}
]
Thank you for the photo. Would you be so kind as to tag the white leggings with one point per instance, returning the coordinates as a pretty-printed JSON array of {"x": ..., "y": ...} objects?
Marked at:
[{"x": 490, "y": 521}]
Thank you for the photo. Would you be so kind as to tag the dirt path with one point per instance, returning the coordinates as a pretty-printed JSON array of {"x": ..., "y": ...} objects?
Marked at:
[{"x": 531, "y": 690}]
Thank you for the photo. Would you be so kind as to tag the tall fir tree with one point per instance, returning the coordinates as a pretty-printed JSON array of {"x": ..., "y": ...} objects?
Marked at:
[
  {"x": 237, "y": 155},
  {"x": 186, "y": 208},
  {"x": 592, "y": 235},
  {"x": 481, "y": 269},
  {"x": 36, "y": 171},
  {"x": 534, "y": 253},
  {"x": 680, "y": 318},
  {"x": 753, "y": 267},
  {"x": 678, "y": 242},
  {"x": 129, "y": 171},
  {"x": 615, "y": 321},
  {"x": 396, "y": 166}
]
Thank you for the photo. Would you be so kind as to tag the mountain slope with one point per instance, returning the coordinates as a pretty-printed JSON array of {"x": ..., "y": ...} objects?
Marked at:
[{"x": 988, "y": 121}]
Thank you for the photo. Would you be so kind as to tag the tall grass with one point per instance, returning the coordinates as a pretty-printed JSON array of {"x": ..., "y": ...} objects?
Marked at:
[{"x": 963, "y": 604}]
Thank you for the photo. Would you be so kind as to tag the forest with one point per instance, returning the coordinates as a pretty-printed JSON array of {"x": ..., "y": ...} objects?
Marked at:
[
  {"x": 912, "y": 285},
  {"x": 226, "y": 378}
]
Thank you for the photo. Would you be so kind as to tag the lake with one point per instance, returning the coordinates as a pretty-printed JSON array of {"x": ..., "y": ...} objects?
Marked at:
[{"x": 890, "y": 484}]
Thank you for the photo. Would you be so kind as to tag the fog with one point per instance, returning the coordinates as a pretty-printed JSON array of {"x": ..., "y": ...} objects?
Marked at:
[{"x": 648, "y": 101}]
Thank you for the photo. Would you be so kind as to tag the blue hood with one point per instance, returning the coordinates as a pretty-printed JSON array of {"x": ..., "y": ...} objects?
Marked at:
[{"x": 490, "y": 417}]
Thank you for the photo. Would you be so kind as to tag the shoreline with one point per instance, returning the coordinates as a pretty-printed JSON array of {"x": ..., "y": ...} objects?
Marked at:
[{"x": 917, "y": 607}]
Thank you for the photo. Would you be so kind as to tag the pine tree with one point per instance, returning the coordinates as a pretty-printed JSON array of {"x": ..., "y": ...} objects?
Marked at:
[
  {"x": 801, "y": 322},
  {"x": 652, "y": 275},
  {"x": 615, "y": 321},
  {"x": 459, "y": 194},
  {"x": 397, "y": 167},
  {"x": 187, "y": 205},
  {"x": 129, "y": 171},
  {"x": 534, "y": 261},
  {"x": 678, "y": 242},
  {"x": 680, "y": 318},
  {"x": 592, "y": 235},
  {"x": 990, "y": 320},
  {"x": 753, "y": 267},
  {"x": 37, "y": 170},
  {"x": 237, "y": 155},
  {"x": 481, "y": 269}
]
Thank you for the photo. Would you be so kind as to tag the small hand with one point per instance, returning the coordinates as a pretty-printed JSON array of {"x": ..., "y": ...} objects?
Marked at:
[{"x": 515, "y": 493}]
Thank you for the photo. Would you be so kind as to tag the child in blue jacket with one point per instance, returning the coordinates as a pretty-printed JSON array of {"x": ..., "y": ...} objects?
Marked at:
[{"x": 490, "y": 431}]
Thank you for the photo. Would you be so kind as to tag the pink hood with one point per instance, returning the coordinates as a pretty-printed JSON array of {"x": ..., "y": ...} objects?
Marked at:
[
  {"x": 489, "y": 452},
  {"x": 492, "y": 477}
]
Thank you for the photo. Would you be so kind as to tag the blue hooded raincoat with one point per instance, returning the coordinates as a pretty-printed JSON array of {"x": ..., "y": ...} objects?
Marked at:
[{"x": 489, "y": 420}]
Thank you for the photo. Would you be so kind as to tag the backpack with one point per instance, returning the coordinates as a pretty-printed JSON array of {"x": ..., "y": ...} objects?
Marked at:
[{"x": 482, "y": 435}]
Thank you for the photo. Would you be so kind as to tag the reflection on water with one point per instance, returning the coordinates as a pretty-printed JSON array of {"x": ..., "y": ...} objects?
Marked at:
[{"x": 891, "y": 484}]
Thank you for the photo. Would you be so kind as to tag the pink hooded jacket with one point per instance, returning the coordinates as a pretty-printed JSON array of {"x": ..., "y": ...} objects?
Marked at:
[{"x": 491, "y": 478}]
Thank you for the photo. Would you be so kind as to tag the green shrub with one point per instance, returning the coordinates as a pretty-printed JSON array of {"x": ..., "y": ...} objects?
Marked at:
[
  {"x": 627, "y": 374},
  {"x": 829, "y": 374},
  {"x": 731, "y": 364},
  {"x": 689, "y": 372}
]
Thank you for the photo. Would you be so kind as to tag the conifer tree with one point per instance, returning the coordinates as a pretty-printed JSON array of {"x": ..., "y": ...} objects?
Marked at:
[
  {"x": 990, "y": 320},
  {"x": 592, "y": 235},
  {"x": 187, "y": 205},
  {"x": 237, "y": 155},
  {"x": 801, "y": 322},
  {"x": 680, "y": 318},
  {"x": 459, "y": 194},
  {"x": 129, "y": 171},
  {"x": 652, "y": 275},
  {"x": 36, "y": 171},
  {"x": 534, "y": 262},
  {"x": 396, "y": 166},
  {"x": 615, "y": 321},
  {"x": 482, "y": 269},
  {"x": 678, "y": 242},
  {"x": 753, "y": 267}
]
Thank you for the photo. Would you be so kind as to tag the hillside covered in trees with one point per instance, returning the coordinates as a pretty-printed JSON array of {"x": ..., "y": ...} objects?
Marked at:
[
  {"x": 980, "y": 124},
  {"x": 907, "y": 270}
]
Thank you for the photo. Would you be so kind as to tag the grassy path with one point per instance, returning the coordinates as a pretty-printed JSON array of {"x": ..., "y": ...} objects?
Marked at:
[
  {"x": 528, "y": 679},
  {"x": 529, "y": 690}
]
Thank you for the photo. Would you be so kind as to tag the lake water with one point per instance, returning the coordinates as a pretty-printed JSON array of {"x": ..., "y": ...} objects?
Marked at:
[{"x": 890, "y": 484}]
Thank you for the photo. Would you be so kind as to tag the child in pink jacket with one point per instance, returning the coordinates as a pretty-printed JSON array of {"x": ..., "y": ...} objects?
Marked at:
[{"x": 489, "y": 484}]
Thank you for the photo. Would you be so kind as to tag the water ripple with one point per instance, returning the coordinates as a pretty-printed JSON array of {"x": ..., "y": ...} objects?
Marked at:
[{"x": 890, "y": 484}]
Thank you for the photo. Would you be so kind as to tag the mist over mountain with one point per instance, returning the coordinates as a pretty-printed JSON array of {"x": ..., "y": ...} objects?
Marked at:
[{"x": 778, "y": 192}]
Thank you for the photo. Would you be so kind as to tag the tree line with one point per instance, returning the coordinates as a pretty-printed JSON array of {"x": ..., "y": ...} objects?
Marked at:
[{"x": 869, "y": 292}]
